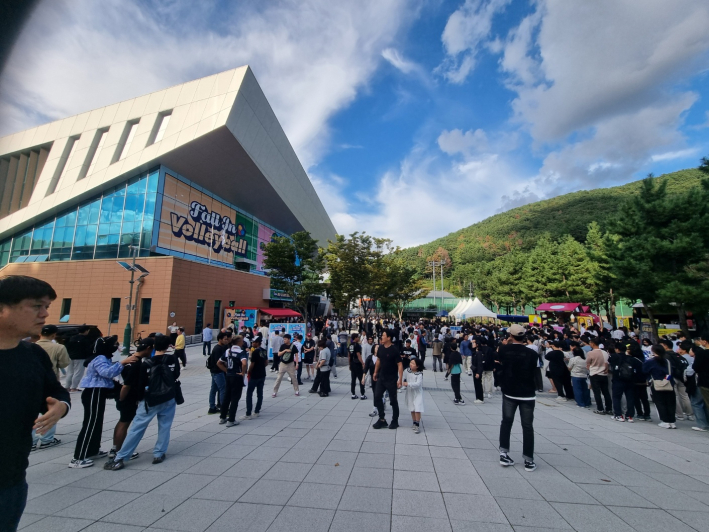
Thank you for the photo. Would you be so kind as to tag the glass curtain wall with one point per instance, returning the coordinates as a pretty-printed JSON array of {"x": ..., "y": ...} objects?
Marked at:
[{"x": 101, "y": 228}]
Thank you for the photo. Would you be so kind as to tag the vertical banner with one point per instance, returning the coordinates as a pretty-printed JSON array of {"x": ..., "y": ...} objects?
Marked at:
[{"x": 290, "y": 328}]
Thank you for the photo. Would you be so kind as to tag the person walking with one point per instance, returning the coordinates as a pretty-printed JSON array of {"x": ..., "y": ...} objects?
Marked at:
[
  {"x": 356, "y": 364},
  {"x": 256, "y": 376},
  {"x": 322, "y": 377},
  {"x": 413, "y": 382},
  {"x": 437, "y": 351},
  {"x": 98, "y": 381},
  {"x": 286, "y": 355},
  {"x": 28, "y": 385},
  {"x": 518, "y": 365},
  {"x": 233, "y": 364},
  {"x": 659, "y": 369},
  {"x": 597, "y": 364},
  {"x": 218, "y": 377},
  {"x": 207, "y": 340},
  {"x": 180, "y": 347},
  {"x": 59, "y": 358},
  {"x": 454, "y": 363},
  {"x": 158, "y": 376},
  {"x": 79, "y": 348},
  {"x": 388, "y": 375},
  {"x": 579, "y": 377}
]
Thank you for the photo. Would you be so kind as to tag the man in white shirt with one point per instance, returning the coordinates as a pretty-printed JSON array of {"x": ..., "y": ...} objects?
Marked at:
[
  {"x": 275, "y": 341},
  {"x": 264, "y": 334},
  {"x": 207, "y": 340}
]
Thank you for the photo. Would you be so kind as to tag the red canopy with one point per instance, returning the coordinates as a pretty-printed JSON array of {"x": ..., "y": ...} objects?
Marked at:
[
  {"x": 280, "y": 312},
  {"x": 559, "y": 307}
]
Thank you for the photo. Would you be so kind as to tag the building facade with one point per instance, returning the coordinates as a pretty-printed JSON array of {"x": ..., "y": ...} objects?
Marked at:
[{"x": 192, "y": 182}]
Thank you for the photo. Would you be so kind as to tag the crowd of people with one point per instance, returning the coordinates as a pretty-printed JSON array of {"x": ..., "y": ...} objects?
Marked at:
[{"x": 384, "y": 357}]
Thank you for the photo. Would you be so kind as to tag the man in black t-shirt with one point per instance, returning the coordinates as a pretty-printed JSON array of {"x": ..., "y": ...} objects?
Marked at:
[
  {"x": 233, "y": 364},
  {"x": 408, "y": 353},
  {"x": 127, "y": 402},
  {"x": 388, "y": 374},
  {"x": 218, "y": 377},
  {"x": 309, "y": 356},
  {"x": 287, "y": 355},
  {"x": 354, "y": 356},
  {"x": 28, "y": 385},
  {"x": 257, "y": 378}
]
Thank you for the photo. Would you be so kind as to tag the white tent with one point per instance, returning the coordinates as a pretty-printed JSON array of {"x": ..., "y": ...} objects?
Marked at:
[
  {"x": 478, "y": 310},
  {"x": 454, "y": 312},
  {"x": 462, "y": 310}
]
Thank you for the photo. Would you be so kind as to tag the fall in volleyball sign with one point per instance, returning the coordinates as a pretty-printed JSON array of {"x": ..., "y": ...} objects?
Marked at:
[{"x": 209, "y": 229}]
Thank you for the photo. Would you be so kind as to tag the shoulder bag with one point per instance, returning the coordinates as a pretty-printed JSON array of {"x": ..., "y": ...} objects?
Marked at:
[{"x": 663, "y": 385}]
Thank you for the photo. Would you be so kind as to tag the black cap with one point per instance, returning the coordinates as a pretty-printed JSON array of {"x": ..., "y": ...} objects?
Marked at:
[
  {"x": 49, "y": 330},
  {"x": 145, "y": 343}
]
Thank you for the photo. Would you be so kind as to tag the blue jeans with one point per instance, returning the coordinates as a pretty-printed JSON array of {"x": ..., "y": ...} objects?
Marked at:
[
  {"x": 165, "y": 413},
  {"x": 12, "y": 504},
  {"x": 254, "y": 384},
  {"x": 218, "y": 383},
  {"x": 49, "y": 435},
  {"x": 581, "y": 392},
  {"x": 699, "y": 409}
]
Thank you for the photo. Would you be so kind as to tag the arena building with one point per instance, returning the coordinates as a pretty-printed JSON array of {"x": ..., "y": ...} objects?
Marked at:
[{"x": 193, "y": 180}]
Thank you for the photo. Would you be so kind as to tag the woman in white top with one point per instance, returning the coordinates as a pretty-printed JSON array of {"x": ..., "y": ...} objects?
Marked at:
[
  {"x": 413, "y": 382},
  {"x": 579, "y": 374}
]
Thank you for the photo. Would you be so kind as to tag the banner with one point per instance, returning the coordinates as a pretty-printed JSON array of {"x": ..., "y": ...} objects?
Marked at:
[
  {"x": 290, "y": 328},
  {"x": 535, "y": 320},
  {"x": 239, "y": 317}
]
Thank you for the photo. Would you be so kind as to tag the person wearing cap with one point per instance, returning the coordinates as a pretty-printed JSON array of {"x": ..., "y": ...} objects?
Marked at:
[
  {"x": 127, "y": 401},
  {"x": 59, "y": 358},
  {"x": 98, "y": 381},
  {"x": 518, "y": 366}
]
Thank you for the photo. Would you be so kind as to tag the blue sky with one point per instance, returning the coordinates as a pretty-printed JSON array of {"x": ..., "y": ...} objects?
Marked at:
[{"x": 413, "y": 119}]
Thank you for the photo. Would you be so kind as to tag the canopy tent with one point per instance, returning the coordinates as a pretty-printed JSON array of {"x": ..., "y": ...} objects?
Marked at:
[
  {"x": 280, "y": 312},
  {"x": 466, "y": 305},
  {"x": 460, "y": 304},
  {"x": 478, "y": 310}
]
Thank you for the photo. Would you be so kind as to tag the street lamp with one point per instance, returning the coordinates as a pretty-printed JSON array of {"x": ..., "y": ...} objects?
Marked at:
[{"x": 132, "y": 268}]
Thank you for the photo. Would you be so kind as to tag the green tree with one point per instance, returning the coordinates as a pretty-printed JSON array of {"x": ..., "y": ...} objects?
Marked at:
[
  {"x": 704, "y": 165},
  {"x": 660, "y": 239},
  {"x": 296, "y": 266},
  {"x": 356, "y": 270},
  {"x": 577, "y": 270},
  {"x": 403, "y": 284},
  {"x": 542, "y": 280},
  {"x": 597, "y": 249}
]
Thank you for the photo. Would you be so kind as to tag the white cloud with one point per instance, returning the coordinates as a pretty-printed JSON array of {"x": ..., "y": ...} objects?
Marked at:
[
  {"x": 310, "y": 58},
  {"x": 600, "y": 85},
  {"x": 398, "y": 61},
  {"x": 455, "y": 141},
  {"x": 467, "y": 28},
  {"x": 672, "y": 155}
]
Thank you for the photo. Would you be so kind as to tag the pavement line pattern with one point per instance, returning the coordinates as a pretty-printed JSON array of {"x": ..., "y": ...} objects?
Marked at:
[{"x": 315, "y": 464}]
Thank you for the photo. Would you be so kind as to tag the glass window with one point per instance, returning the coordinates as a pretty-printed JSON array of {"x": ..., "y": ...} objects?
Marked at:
[
  {"x": 232, "y": 303},
  {"x": 5, "y": 252},
  {"x": 199, "y": 321},
  {"x": 129, "y": 140},
  {"x": 217, "y": 314},
  {"x": 145, "y": 306},
  {"x": 137, "y": 186},
  {"x": 106, "y": 208},
  {"x": 115, "y": 310},
  {"x": 153, "y": 181},
  {"x": 66, "y": 310},
  {"x": 99, "y": 147}
]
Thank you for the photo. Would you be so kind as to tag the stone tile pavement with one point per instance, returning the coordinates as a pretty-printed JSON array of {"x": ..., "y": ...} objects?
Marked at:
[{"x": 316, "y": 465}]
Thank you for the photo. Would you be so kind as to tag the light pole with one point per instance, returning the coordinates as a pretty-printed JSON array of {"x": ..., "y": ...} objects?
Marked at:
[{"x": 132, "y": 268}]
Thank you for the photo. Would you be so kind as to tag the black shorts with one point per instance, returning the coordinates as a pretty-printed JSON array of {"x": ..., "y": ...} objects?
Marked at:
[
  {"x": 308, "y": 358},
  {"x": 127, "y": 410}
]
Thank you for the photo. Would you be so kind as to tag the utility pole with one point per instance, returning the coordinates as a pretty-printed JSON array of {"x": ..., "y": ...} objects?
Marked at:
[{"x": 128, "y": 332}]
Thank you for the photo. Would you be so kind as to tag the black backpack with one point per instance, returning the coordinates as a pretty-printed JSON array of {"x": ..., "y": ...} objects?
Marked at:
[
  {"x": 161, "y": 382},
  {"x": 626, "y": 372},
  {"x": 679, "y": 365},
  {"x": 211, "y": 361}
]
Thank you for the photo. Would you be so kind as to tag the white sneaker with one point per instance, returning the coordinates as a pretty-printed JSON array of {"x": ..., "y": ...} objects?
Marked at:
[
  {"x": 679, "y": 418},
  {"x": 690, "y": 418},
  {"x": 489, "y": 396},
  {"x": 561, "y": 399},
  {"x": 699, "y": 429},
  {"x": 80, "y": 464},
  {"x": 665, "y": 425},
  {"x": 673, "y": 426},
  {"x": 478, "y": 402},
  {"x": 245, "y": 417}
]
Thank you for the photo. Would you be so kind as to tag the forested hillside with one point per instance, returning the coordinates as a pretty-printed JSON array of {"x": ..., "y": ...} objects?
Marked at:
[{"x": 466, "y": 251}]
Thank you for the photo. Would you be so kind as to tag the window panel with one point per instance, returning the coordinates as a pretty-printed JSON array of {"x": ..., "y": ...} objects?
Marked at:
[
  {"x": 138, "y": 187},
  {"x": 106, "y": 209},
  {"x": 153, "y": 181},
  {"x": 80, "y": 237},
  {"x": 95, "y": 207},
  {"x": 145, "y": 308}
]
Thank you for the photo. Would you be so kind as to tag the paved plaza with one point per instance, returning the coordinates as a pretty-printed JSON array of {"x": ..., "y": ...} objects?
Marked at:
[{"x": 315, "y": 464}]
